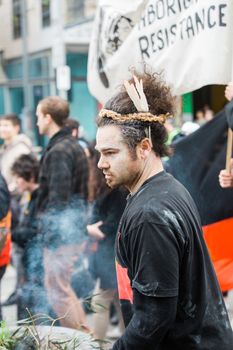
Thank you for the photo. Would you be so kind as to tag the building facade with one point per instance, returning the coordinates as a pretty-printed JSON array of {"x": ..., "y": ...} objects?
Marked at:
[{"x": 36, "y": 38}]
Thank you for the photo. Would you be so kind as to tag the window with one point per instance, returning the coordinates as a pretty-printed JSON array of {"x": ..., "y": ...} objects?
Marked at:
[
  {"x": 45, "y": 11},
  {"x": 17, "y": 29},
  {"x": 75, "y": 11}
]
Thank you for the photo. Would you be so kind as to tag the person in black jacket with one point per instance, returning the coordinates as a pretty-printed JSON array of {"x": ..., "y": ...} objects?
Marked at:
[
  {"x": 61, "y": 208},
  {"x": 169, "y": 293},
  {"x": 108, "y": 207},
  {"x": 25, "y": 234}
]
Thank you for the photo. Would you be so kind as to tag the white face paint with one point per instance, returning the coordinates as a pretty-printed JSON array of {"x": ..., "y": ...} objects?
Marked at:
[{"x": 116, "y": 161}]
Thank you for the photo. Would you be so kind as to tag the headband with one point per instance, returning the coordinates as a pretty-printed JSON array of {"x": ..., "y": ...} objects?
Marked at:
[{"x": 140, "y": 116}]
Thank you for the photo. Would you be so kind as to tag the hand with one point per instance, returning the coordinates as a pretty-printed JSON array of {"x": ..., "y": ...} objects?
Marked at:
[
  {"x": 229, "y": 91},
  {"x": 94, "y": 231},
  {"x": 225, "y": 179}
]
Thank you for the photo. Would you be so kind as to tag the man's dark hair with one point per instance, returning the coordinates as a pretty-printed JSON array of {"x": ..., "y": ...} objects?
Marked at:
[
  {"x": 160, "y": 101},
  {"x": 57, "y": 107},
  {"x": 72, "y": 123},
  {"x": 13, "y": 118},
  {"x": 27, "y": 167}
]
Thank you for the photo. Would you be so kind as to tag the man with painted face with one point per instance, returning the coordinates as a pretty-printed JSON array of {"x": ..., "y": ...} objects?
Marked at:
[{"x": 168, "y": 290}]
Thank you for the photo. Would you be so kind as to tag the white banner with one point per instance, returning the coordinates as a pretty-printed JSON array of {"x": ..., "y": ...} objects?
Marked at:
[{"x": 190, "y": 41}]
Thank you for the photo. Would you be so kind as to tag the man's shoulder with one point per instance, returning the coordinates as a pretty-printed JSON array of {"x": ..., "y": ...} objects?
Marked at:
[
  {"x": 161, "y": 201},
  {"x": 66, "y": 144},
  {"x": 66, "y": 151}
]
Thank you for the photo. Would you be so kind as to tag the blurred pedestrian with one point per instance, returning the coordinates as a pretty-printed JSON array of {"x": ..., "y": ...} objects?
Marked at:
[
  {"x": 189, "y": 127},
  {"x": 174, "y": 133},
  {"x": 107, "y": 210},
  {"x": 208, "y": 113},
  {"x": 74, "y": 125},
  {"x": 31, "y": 295},
  {"x": 229, "y": 91},
  {"x": 15, "y": 144},
  {"x": 168, "y": 288},
  {"x": 61, "y": 208},
  {"x": 200, "y": 117}
]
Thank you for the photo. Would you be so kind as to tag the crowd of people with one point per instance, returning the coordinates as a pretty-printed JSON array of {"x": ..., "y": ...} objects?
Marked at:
[
  {"x": 57, "y": 200},
  {"x": 76, "y": 199}
]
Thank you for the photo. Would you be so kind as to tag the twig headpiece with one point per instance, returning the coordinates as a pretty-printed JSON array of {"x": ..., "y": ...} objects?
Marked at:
[{"x": 138, "y": 97}]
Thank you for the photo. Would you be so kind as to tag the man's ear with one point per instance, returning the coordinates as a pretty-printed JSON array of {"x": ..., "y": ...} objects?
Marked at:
[
  {"x": 17, "y": 129},
  {"x": 49, "y": 119},
  {"x": 145, "y": 148}
]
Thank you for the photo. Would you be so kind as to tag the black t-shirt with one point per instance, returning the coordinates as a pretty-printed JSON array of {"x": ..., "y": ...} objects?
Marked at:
[{"x": 161, "y": 255}]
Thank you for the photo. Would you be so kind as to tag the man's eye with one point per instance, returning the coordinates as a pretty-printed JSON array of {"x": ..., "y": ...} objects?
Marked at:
[{"x": 109, "y": 153}]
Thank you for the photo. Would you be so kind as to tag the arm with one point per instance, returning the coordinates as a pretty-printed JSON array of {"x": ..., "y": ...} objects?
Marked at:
[
  {"x": 155, "y": 283},
  {"x": 151, "y": 321},
  {"x": 4, "y": 198},
  {"x": 27, "y": 228},
  {"x": 24, "y": 233},
  {"x": 95, "y": 232}
]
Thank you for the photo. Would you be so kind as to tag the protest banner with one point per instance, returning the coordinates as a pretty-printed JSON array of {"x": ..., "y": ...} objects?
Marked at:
[{"x": 190, "y": 41}]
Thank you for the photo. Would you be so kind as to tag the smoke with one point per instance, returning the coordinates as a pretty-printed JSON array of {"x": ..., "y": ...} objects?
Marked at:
[{"x": 64, "y": 225}]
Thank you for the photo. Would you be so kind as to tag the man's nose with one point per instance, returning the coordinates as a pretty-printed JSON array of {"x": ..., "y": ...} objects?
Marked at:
[{"x": 102, "y": 163}]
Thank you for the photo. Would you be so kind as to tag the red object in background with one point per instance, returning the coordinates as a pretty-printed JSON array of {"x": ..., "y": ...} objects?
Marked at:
[
  {"x": 219, "y": 240},
  {"x": 5, "y": 253},
  {"x": 99, "y": 106},
  {"x": 123, "y": 282}
]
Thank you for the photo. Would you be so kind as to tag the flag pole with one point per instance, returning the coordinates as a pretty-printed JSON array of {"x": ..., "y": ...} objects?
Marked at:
[
  {"x": 230, "y": 137},
  {"x": 229, "y": 151}
]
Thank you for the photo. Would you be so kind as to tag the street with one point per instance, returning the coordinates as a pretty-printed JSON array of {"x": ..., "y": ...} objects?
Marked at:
[
  {"x": 10, "y": 312},
  {"x": 10, "y": 315}
]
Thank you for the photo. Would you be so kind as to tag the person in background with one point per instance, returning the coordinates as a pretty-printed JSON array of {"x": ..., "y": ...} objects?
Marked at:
[
  {"x": 25, "y": 170},
  {"x": 61, "y": 209},
  {"x": 208, "y": 113},
  {"x": 14, "y": 145},
  {"x": 229, "y": 91},
  {"x": 174, "y": 133},
  {"x": 5, "y": 225},
  {"x": 74, "y": 125},
  {"x": 200, "y": 117},
  {"x": 189, "y": 127},
  {"x": 225, "y": 178},
  {"x": 169, "y": 292},
  {"x": 108, "y": 206}
]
